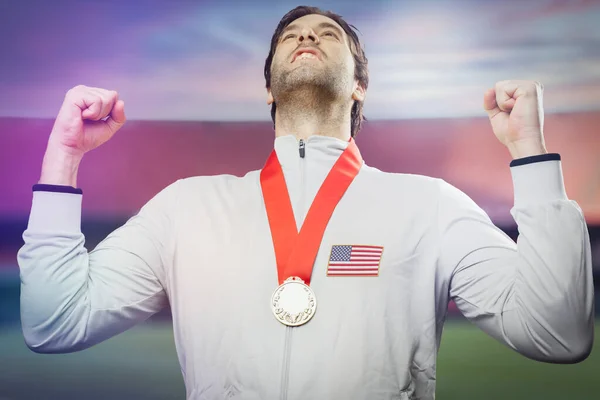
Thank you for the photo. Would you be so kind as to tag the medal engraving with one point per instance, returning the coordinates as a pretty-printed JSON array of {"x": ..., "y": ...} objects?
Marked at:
[{"x": 293, "y": 302}]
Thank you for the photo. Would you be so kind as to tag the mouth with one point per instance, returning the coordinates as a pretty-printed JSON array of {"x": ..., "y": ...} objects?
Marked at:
[{"x": 307, "y": 53}]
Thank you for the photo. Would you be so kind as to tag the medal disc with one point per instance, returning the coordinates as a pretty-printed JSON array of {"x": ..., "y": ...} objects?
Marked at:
[{"x": 293, "y": 302}]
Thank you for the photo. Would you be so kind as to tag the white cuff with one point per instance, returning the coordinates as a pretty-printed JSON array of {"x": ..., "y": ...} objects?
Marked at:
[
  {"x": 538, "y": 182},
  {"x": 55, "y": 211}
]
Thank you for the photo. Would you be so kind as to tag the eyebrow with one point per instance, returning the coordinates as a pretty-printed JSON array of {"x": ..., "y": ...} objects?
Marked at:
[
  {"x": 289, "y": 28},
  {"x": 322, "y": 25}
]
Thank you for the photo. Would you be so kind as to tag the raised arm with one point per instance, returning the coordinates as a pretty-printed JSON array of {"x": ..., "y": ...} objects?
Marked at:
[
  {"x": 536, "y": 296},
  {"x": 72, "y": 299}
]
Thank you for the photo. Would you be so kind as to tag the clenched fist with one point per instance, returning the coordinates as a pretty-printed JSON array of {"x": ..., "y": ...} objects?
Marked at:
[
  {"x": 88, "y": 117},
  {"x": 517, "y": 117}
]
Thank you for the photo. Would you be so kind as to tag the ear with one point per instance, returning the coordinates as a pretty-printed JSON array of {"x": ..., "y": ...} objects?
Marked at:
[
  {"x": 270, "y": 99},
  {"x": 359, "y": 92}
]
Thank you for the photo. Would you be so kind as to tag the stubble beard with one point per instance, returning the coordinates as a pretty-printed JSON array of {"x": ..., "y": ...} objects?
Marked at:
[{"x": 307, "y": 87}]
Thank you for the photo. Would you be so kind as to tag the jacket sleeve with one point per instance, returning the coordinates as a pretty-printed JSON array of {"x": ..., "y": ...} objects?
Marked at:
[
  {"x": 72, "y": 299},
  {"x": 535, "y": 295}
]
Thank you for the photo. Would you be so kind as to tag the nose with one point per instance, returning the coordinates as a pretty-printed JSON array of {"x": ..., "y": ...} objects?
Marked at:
[{"x": 308, "y": 34}]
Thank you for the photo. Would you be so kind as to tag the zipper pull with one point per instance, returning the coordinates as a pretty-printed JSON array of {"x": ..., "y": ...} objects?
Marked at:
[{"x": 302, "y": 148}]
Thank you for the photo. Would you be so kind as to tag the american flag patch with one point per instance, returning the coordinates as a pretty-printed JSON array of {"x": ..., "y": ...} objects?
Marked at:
[{"x": 354, "y": 260}]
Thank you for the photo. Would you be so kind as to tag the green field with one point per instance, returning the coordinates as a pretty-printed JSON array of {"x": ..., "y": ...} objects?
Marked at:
[{"x": 141, "y": 364}]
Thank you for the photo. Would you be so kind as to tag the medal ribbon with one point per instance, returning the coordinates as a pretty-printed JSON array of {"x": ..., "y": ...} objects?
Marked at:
[{"x": 296, "y": 252}]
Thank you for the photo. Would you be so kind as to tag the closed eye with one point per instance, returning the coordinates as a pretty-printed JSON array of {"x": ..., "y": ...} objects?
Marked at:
[
  {"x": 291, "y": 35},
  {"x": 328, "y": 33}
]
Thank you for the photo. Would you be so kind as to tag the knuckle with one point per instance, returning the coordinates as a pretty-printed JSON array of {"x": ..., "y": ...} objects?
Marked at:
[
  {"x": 532, "y": 87},
  {"x": 74, "y": 89},
  {"x": 108, "y": 96},
  {"x": 95, "y": 100},
  {"x": 100, "y": 98}
]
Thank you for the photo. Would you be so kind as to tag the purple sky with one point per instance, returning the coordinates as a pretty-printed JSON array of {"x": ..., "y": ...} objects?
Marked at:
[{"x": 203, "y": 60}]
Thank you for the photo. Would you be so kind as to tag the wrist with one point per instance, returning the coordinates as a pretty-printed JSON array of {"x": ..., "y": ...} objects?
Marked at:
[
  {"x": 526, "y": 148},
  {"x": 60, "y": 166}
]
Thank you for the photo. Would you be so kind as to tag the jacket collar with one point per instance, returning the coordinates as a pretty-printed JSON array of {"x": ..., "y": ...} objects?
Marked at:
[{"x": 321, "y": 150}]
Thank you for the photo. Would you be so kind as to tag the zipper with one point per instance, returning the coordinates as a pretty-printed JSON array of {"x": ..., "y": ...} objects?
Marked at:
[
  {"x": 301, "y": 167},
  {"x": 302, "y": 152},
  {"x": 287, "y": 345},
  {"x": 285, "y": 371}
]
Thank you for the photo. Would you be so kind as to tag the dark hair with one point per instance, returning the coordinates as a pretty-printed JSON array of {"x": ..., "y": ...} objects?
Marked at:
[{"x": 361, "y": 72}]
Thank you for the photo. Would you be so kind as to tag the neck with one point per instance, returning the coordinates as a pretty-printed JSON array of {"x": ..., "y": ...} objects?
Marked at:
[{"x": 306, "y": 114}]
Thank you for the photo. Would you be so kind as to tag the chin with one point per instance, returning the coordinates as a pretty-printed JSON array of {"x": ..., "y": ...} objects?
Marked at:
[
  {"x": 306, "y": 77},
  {"x": 309, "y": 75}
]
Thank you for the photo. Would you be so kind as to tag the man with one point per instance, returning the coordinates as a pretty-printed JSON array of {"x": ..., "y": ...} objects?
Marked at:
[{"x": 350, "y": 307}]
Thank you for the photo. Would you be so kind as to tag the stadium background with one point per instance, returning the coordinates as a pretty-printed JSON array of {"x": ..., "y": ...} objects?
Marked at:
[{"x": 191, "y": 76}]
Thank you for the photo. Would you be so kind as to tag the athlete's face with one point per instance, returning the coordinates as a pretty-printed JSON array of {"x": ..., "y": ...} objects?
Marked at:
[{"x": 313, "y": 50}]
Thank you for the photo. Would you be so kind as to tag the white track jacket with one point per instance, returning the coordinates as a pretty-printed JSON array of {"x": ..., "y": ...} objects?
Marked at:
[{"x": 203, "y": 245}]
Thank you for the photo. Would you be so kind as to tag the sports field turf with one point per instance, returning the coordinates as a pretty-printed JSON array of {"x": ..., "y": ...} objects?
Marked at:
[{"x": 141, "y": 364}]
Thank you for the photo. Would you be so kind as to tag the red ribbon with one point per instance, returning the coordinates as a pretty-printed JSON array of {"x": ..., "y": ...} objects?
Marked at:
[{"x": 296, "y": 252}]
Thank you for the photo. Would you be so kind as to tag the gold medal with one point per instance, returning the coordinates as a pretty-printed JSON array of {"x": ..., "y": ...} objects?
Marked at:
[{"x": 293, "y": 302}]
